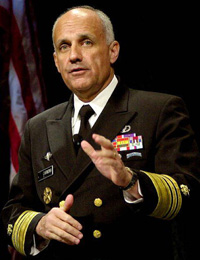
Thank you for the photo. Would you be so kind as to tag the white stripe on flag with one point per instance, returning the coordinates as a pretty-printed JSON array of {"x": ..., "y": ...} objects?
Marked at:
[{"x": 18, "y": 109}]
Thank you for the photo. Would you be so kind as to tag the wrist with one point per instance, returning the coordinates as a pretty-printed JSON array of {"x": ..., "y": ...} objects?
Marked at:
[{"x": 132, "y": 179}]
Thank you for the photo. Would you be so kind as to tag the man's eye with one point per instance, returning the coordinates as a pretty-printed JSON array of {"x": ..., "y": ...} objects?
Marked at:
[
  {"x": 87, "y": 43},
  {"x": 64, "y": 47}
]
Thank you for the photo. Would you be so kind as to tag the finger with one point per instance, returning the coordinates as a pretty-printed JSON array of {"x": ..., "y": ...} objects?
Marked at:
[
  {"x": 70, "y": 230},
  {"x": 87, "y": 148},
  {"x": 66, "y": 218},
  {"x": 103, "y": 162},
  {"x": 64, "y": 237},
  {"x": 60, "y": 228},
  {"x": 55, "y": 215},
  {"x": 107, "y": 148},
  {"x": 58, "y": 222},
  {"x": 103, "y": 142},
  {"x": 107, "y": 153},
  {"x": 66, "y": 207},
  {"x": 68, "y": 203}
]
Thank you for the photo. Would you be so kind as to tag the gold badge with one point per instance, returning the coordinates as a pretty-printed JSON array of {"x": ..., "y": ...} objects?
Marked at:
[
  {"x": 47, "y": 195},
  {"x": 185, "y": 190}
]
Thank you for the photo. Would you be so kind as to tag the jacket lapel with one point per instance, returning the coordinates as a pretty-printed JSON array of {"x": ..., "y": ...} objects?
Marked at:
[
  {"x": 109, "y": 124},
  {"x": 60, "y": 140}
]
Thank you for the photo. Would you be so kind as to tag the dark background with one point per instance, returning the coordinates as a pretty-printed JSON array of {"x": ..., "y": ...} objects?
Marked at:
[
  {"x": 158, "y": 47},
  {"x": 158, "y": 53}
]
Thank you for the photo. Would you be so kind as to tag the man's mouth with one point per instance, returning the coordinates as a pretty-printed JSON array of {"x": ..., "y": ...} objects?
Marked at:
[{"x": 78, "y": 70}]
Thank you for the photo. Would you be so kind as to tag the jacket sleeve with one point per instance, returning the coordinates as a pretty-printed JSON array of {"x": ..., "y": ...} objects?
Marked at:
[
  {"x": 18, "y": 215},
  {"x": 174, "y": 184}
]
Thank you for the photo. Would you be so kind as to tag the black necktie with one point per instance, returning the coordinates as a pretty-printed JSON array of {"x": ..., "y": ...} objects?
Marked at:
[{"x": 85, "y": 113}]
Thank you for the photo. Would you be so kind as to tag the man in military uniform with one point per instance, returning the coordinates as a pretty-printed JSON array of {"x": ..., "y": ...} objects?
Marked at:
[{"x": 108, "y": 174}]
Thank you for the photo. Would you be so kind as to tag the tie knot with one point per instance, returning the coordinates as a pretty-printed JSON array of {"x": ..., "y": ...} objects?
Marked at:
[{"x": 86, "y": 112}]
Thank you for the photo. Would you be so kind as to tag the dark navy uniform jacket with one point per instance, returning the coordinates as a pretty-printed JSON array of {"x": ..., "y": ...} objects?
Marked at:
[{"x": 166, "y": 160}]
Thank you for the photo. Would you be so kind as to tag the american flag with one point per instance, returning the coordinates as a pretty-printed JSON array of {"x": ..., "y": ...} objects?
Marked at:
[{"x": 22, "y": 67}]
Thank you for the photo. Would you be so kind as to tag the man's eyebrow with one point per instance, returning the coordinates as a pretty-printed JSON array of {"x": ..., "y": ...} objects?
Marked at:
[
  {"x": 87, "y": 36},
  {"x": 58, "y": 43},
  {"x": 80, "y": 36}
]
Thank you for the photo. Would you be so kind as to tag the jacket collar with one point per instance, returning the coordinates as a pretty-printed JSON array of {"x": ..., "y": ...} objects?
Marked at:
[{"x": 116, "y": 114}]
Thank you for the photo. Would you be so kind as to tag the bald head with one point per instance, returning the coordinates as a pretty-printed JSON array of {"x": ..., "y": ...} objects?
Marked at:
[{"x": 104, "y": 20}]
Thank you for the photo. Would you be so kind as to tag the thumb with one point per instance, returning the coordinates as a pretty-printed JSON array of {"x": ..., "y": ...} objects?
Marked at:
[
  {"x": 87, "y": 148},
  {"x": 67, "y": 204}
]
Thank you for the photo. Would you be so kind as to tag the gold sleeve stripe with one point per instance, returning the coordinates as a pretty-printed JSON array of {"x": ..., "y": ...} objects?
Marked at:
[
  {"x": 20, "y": 229},
  {"x": 176, "y": 197},
  {"x": 169, "y": 196}
]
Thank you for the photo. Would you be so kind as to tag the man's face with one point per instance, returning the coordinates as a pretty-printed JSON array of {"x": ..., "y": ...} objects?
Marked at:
[{"x": 82, "y": 55}]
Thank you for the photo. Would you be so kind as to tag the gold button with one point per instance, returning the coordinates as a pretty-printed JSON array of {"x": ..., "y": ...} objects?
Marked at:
[
  {"x": 98, "y": 202},
  {"x": 97, "y": 233},
  {"x": 61, "y": 204},
  {"x": 47, "y": 195}
]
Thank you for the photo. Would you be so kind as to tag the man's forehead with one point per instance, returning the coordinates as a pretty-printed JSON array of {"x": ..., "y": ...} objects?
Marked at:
[
  {"x": 80, "y": 17},
  {"x": 78, "y": 23}
]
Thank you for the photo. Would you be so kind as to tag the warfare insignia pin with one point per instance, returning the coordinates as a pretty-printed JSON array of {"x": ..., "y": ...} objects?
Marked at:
[{"x": 126, "y": 129}]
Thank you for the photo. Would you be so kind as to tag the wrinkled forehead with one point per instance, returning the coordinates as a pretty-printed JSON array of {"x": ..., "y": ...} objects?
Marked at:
[{"x": 78, "y": 21}]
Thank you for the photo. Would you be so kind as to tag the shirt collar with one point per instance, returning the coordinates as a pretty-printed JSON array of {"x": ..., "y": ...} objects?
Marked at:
[{"x": 99, "y": 102}]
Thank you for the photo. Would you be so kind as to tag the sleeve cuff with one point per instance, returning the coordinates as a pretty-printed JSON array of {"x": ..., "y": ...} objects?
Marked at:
[
  {"x": 36, "y": 249},
  {"x": 132, "y": 200},
  {"x": 164, "y": 200},
  {"x": 21, "y": 239}
]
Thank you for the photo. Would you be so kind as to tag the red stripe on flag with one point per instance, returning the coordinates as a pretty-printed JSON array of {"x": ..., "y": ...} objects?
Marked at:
[{"x": 15, "y": 140}]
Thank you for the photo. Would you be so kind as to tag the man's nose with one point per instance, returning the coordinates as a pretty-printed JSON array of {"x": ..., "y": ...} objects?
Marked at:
[{"x": 75, "y": 53}]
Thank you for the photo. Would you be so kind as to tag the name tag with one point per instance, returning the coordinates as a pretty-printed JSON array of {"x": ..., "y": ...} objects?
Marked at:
[{"x": 46, "y": 173}]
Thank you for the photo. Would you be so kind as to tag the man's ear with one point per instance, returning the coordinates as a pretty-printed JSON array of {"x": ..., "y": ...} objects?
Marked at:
[
  {"x": 56, "y": 61},
  {"x": 114, "y": 51}
]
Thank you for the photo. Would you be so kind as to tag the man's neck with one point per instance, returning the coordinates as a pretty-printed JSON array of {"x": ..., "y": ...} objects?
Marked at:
[{"x": 88, "y": 97}]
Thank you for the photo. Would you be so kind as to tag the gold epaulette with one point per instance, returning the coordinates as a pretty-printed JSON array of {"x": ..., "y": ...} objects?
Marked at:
[
  {"x": 169, "y": 196},
  {"x": 20, "y": 228}
]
